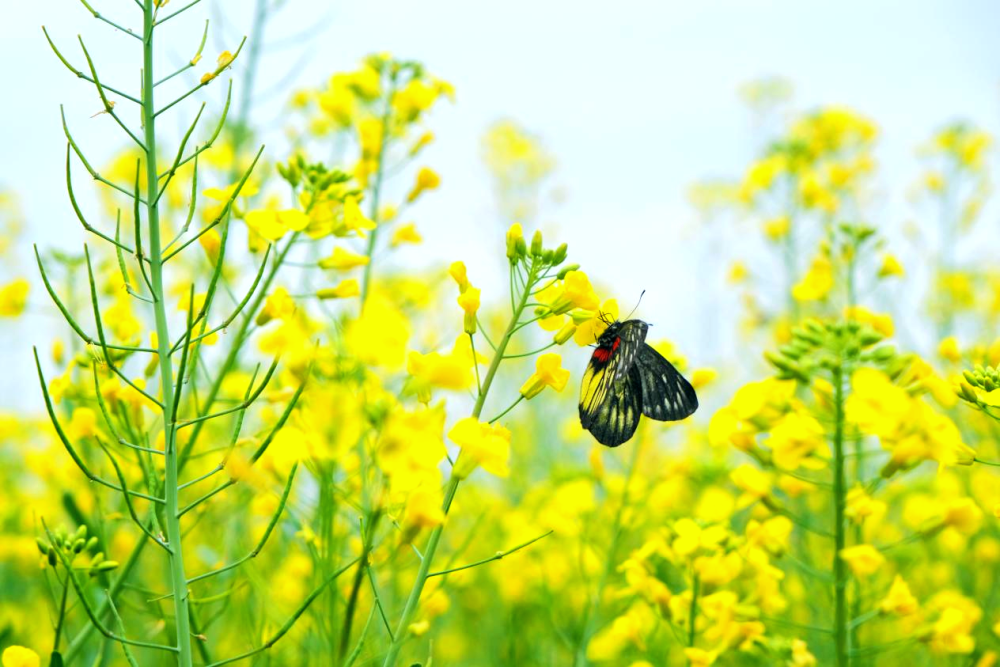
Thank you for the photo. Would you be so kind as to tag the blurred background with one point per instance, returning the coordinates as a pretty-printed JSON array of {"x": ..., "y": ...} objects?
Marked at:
[{"x": 634, "y": 104}]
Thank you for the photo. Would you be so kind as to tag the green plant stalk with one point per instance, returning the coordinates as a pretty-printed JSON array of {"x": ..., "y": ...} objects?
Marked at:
[
  {"x": 693, "y": 611},
  {"x": 234, "y": 351},
  {"x": 841, "y": 624},
  {"x": 376, "y": 193},
  {"x": 178, "y": 578},
  {"x": 580, "y": 655},
  {"x": 449, "y": 494}
]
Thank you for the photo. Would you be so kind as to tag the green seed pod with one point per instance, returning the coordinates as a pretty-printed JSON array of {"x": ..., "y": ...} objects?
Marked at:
[
  {"x": 52, "y": 557},
  {"x": 107, "y": 566}
]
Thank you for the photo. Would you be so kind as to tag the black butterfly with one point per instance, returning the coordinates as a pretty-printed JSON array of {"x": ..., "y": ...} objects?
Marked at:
[{"x": 627, "y": 378}]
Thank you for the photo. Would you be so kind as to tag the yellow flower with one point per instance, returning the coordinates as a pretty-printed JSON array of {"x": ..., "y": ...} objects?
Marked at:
[
  {"x": 354, "y": 219},
  {"x": 515, "y": 241},
  {"x": 460, "y": 275},
  {"x": 278, "y": 305},
  {"x": 448, "y": 371},
  {"x": 378, "y": 337},
  {"x": 13, "y": 297},
  {"x": 423, "y": 510},
  {"x": 964, "y": 515},
  {"x": 890, "y": 267},
  {"x": 863, "y": 559},
  {"x": 801, "y": 657},
  {"x": 798, "y": 439},
  {"x": 548, "y": 373},
  {"x": 698, "y": 657},
  {"x": 952, "y": 632},
  {"x": 755, "y": 484},
  {"x": 881, "y": 322},
  {"x": 899, "y": 600},
  {"x": 344, "y": 289},
  {"x": 860, "y": 505},
  {"x": 413, "y": 100},
  {"x": 273, "y": 224},
  {"x": 738, "y": 272},
  {"x": 777, "y": 228},
  {"x": 817, "y": 282},
  {"x": 19, "y": 656},
  {"x": 427, "y": 179},
  {"x": 343, "y": 260},
  {"x": 482, "y": 445},
  {"x": 469, "y": 302},
  {"x": 701, "y": 377},
  {"x": 370, "y": 138},
  {"x": 406, "y": 233},
  {"x": 211, "y": 243},
  {"x": 949, "y": 349},
  {"x": 590, "y": 329}
]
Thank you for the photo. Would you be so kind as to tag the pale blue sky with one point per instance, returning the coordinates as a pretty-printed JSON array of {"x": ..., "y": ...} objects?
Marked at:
[{"x": 637, "y": 100}]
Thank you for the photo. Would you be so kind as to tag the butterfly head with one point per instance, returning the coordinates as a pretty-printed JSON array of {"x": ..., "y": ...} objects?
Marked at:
[{"x": 610, "y": 334}]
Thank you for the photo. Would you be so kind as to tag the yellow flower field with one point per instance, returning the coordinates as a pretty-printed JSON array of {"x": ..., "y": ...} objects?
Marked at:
[{"x": 265, "y": 438}]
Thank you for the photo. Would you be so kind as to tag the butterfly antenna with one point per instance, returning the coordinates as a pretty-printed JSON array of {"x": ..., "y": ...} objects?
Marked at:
[{"x": 636, "y": 305}]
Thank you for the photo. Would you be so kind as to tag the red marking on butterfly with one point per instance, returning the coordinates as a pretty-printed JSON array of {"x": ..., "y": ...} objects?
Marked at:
[{"x": 602, "y": 354}]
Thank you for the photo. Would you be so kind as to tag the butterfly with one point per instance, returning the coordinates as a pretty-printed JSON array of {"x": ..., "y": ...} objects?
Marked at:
[{"x": 626, "y": 378}]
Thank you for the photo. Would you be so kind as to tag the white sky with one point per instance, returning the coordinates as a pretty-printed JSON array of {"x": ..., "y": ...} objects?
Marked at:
[{"x": 637, "y": 100}]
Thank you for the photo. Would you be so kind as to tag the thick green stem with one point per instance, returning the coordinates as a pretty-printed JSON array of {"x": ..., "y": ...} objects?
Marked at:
[
  {"x": 178, "y": 578},
  {"x": 840, "y": 578},
  {"x": 449, "y": 494}
]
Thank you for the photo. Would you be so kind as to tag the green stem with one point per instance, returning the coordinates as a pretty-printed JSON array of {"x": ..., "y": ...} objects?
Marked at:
[
  {"x": 693, "y": 611},
  {"x": 62, "y": 616},
  {"x": 593, "y": 608},
  {"x": 449, "y": 494},
  {"x": 178, "y": 579},
  {"x": 376, "y": 192},
  {"x": 841, "y": 623}
]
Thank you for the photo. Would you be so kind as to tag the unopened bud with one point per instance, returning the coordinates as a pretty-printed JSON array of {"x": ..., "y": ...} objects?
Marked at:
[
  {"x": 567, "y": 269},
  {"x": 565, "y": 333},
  {"x": 536, "y": 244}
]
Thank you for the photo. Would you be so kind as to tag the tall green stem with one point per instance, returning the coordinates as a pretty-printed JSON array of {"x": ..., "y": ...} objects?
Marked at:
[
  {"x": 449, "y": 494},
  {"x": 376, "y": 192},
  {"x": 178, "y": 579},
  {"x": 840, "y": 529}
]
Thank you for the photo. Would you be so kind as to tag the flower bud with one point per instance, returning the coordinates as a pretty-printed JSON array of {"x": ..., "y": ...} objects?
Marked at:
[
  {"x": 567, "y": 269},
  {"x": 565, "y": 333},
  {"x": 514, "y": 235},
  {"x": 107, "y": 566},
  {"x": 43, "y": 546},
  {"x": 536, "y": 244},
  {"x": 559, "y": 256}
]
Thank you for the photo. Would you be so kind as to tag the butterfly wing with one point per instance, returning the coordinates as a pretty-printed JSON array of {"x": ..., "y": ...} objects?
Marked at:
[
  {"x": 666, "y": 395},
  {"x": 610, "y": 410},
  {"x": 632, "y": 338}
]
